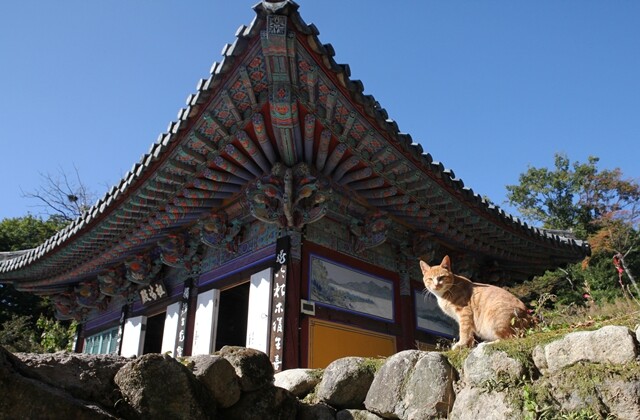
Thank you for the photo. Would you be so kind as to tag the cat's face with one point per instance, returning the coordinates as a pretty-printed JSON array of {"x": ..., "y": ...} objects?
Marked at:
[{"x": 438, "y": 278}]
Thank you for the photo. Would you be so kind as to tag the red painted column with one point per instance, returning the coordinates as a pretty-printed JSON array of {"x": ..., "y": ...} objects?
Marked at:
[
  {"x": 292, "y": 320},
  {"x": 407, "y": 304},
  {"x": 407, "y": 321},
  {"x": 292, "y": 347}
]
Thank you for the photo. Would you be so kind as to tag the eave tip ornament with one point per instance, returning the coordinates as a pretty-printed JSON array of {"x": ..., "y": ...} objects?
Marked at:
[{"x": 273, "y": 6}]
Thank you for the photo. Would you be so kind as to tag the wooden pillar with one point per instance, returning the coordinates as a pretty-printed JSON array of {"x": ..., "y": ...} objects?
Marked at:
[
  {"x": 407, "y": 304},
  {"x": 294, "y": 283},
  {"x": 79, "y": 344},
  {"x": 407, "y": 321},
  {"x": 192, "y": 317},
  {"x": 279, "y": 296},
  {"x": 186, "y": 319},
  {"x": 284, "y": 347}
]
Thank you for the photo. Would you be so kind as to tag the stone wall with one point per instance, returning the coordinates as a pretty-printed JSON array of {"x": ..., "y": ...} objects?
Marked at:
[{"x": 592, "y": 374}]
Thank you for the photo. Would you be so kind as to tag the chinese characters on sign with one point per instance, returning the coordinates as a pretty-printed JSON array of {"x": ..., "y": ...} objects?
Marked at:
[
  {"x": 276, "y": 347},
  {"x": 152, "y": 292},
  {"x": 182, "y": 321}
]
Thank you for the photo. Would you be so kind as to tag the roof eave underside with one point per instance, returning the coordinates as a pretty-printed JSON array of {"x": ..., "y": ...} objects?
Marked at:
[{"x": 405, "y": 181}]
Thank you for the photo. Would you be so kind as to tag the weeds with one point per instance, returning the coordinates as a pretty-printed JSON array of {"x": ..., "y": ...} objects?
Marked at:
[
  {"x": 372, "y": 364},
  {"x": 620, "y": 312},
  {"x": 533, "y": 408},
  {"x": 537, "y": 397}
]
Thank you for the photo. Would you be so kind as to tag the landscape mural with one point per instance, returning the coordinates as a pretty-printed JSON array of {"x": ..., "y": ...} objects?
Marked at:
[
  {"x": 344, "y": 288},
  {"x": 429, "y": 316}
]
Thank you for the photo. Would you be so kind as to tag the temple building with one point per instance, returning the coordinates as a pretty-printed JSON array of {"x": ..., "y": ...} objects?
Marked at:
[{"x": 282, "y": 211}]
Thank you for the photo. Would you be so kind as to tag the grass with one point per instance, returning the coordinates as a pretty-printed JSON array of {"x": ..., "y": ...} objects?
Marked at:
[
  {"x": 620, "y": 312},
  {"x": 561, "y": 321},
  {"x": 372, "y": 364},
  {"x": 537, "y": 396},
  {"x": 583, "y": 381}
]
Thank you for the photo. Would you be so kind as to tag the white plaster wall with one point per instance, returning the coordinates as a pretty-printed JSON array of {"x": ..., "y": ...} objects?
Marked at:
[
  {"x": 170, "y": 328},
  {"x": 259, "y": 310},
  {"x": 206, "y": 323},
  {"x": 133, "y": 336}
]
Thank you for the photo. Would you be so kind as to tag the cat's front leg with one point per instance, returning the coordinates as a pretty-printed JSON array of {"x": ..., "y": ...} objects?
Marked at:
[
  {"x": 466, "y": 331},
  {"x": 467, "y": 342},
  {"x": 457, "y": 346}
]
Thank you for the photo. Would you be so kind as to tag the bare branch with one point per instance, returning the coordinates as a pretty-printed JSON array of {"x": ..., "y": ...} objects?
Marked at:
[{"x": 62, "y": 196}]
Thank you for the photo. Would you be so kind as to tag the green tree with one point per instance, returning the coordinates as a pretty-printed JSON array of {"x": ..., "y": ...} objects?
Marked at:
[
  {"x": 597, "y": 205},
  {"x": 577, "y": 197},
  {"x": 16, "y": 234},
  {"x": 55, "y": 335},
  {"x": 62, "y": 198},
  {"x": 18, "y": 334},
  {"x": 26, "y": 320},
  {"x": 617, "y": 237},
  {"x": 27, "y": 232}
]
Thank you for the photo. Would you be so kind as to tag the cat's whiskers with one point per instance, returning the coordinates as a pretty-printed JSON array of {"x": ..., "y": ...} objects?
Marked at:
[{"x": 426, "y": 292}]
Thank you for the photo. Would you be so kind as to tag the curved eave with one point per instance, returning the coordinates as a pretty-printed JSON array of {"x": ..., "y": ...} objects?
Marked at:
[{"x": 153, "y": 199}]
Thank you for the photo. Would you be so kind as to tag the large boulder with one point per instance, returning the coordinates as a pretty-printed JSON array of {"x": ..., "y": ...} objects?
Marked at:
[
  {"x": 573, "y": 389},
  {"x": 27, "y": 398},
  {"x": 298, "y": 381},
  {"x": 318, "y": 411},
  {"x": 412, "y": 384},
  {"x": 352, "y": 414},
  {"x": 158, "y": 386},
  {"x": 483, "y": 368},
  {"x": 484, "y": 365},
  {"x": 84, "y": 376},
  {"x": 219, "y": 377},
  {"x": 345, "y": 382},
  {"x": 253, "y": 367},
  {"x": 604, "y": 389},
  {"x": 622, "y": 398},
  {"x": 610, "y": 344},
  {"x": 589, "y": 372},
  {"x": 473, "y": 403},
  {"x": 267, "y": 403}
]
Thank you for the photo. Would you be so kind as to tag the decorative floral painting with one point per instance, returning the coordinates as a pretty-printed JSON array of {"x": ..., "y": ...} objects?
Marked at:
[
  {"x": 429, "y": 316},
  {"x": 344, "y": 288}
]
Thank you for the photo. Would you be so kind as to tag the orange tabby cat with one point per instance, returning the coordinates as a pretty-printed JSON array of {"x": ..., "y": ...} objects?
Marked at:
[{"x": 487, "y": 311}]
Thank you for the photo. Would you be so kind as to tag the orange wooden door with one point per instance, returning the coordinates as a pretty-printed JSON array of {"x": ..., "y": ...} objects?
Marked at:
[{"x": 329, "y": 341}]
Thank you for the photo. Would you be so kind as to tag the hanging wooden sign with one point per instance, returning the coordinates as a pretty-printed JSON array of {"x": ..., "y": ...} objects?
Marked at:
[
  {"x": 278, "y": 303},
  {"x": 152, "y": 292}
]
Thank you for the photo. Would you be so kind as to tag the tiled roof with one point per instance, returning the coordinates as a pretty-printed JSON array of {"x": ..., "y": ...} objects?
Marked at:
[
  {"x": 10, "y": 255},
  {"x": 158, "y": 195}
]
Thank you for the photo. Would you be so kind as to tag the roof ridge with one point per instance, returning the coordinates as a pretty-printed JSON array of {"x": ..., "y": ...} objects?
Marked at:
[{"x": 371, "y": 108}]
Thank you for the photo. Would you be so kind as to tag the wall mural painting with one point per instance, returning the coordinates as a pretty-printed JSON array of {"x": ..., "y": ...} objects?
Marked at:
[
  {"x": 429, "y": 316},
  {"x": 344, "y": 288}
]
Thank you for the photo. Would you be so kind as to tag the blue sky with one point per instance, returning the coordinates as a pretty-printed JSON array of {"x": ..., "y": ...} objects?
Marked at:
[{"x": 487, "y": 87}]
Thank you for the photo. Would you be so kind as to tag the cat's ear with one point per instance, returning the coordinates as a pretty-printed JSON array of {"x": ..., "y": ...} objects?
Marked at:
[
  {"x": 424, "y": 266},
  {"x": 446, "y": 263}
]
